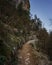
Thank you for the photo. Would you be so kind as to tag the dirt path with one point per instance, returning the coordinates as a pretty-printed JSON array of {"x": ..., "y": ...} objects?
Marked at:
[
  {"x": 29, "y": 56},
  {"x": 26, "y": 55}
]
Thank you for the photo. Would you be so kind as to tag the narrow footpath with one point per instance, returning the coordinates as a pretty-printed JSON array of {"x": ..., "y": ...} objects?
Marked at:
[{"x": 26, "y": 55}]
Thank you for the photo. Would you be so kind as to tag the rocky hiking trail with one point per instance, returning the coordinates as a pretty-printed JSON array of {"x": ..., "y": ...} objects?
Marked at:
[{"x": 28, "y": 56}]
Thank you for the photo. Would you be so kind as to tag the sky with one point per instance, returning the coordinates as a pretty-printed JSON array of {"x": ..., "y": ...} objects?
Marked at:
[{"x": 43, "y": 10}]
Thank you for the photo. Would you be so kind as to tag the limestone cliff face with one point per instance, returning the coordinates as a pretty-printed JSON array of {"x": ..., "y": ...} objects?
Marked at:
[{"x": 25, "y": 3}]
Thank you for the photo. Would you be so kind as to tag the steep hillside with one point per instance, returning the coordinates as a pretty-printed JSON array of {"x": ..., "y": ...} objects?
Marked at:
[{"x": 16, "y": 28}]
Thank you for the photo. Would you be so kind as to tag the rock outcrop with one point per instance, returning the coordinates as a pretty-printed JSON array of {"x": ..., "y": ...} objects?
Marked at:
[{"x": 25, "y": 3}]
